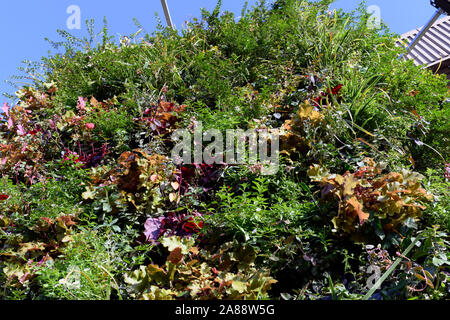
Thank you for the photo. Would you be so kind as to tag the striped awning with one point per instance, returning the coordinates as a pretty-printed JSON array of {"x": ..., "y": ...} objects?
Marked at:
[{"x": 434, "y": 47}]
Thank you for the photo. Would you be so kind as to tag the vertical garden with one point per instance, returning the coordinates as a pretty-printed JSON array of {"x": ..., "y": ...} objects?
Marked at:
[{"x": 92, "y": 205}]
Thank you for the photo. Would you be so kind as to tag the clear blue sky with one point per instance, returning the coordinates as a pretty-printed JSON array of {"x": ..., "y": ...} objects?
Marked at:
[{"x": 24, "y": 24}]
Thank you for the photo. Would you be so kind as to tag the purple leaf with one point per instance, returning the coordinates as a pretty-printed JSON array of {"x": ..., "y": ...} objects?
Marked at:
[
  {"x": 10, "y": 123},
  {"x": 21, "y": 130},
  {"x": 153, "y": 229},
  {"x": 327, "y": 190},
  {"x": 5, "y": 109},
  {"x": 81, "y": 103}
]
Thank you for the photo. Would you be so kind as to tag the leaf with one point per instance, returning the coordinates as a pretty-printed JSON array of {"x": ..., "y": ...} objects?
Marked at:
[
  {"x": 20, "y": 130},
  {"x": 10, "y": 123},
  {"x": 174, "y": 242},
  {"x": 153, "y": 228},
  {"x": 245, "y": 255},
  {"x": 94, "y": 102},
  {"x": 67, "y": 238},
  {"x": 172, "y": 197},
  {"x": 414, "y": 112},
  {"x": 410, "y": 223},
  {"x": 438, "y": 262},
  {"x": 194, "y": 251},
  {"x": 5, "y": 109},
  {"x": 138, "y": 279},
  {"x": 317, "y": 173},
  {"x": 31, "y": 246},
  {"x": 156, "y": 293},
  {"x": 349, "y": 185},
  {"x": 356, "y": 208},
  {"x": 304, "y": 187},
  {"x": 427, "y": 280},
  {"x": 157, "y": 274},
  {"x": 175, "y": 256},
  {"x": 4, "y": 221},
  {"x": 89, "y": 194},
  {"x": 285, "y": 296},
  {"x": 308, "y": 112},
  {"x": 175, "y": 185},
  {"x": 339, "y": 179},
  {"x": 107, "y": 207},
  {"x": 239, "y": 286},
  {"x": 65, "y": 221}
]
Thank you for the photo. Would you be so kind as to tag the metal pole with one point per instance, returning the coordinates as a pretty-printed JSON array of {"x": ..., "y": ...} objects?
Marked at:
[
  {"x": 422, "y": 32},
  {"x": 167, "y": 13}
]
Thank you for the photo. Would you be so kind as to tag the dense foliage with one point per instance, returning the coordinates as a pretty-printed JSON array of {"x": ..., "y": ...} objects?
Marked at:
[{"x": 93, "y": 207}]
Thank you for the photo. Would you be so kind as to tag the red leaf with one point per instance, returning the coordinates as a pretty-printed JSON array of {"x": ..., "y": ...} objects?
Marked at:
[{"x": 175, "y": 256}]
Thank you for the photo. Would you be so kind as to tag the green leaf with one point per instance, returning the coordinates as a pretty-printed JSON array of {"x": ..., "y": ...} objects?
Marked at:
[
  {"x": 410, "y": 223},
  {"x": 89, "y": 194},
  {"x": 239, "y": 286},
  {"x": 157, "y": 274},
  {"x": 174, "y": 242},
  {"x": 137, "y": 279},
  {"x": 438, "y": 262}
]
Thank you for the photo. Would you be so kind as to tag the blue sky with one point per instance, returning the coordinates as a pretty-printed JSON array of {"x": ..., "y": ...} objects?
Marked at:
[{"x": 24, "y": 24}]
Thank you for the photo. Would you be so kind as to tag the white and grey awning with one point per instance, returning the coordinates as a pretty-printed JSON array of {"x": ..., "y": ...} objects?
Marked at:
[{"x": 434, "y": 48}]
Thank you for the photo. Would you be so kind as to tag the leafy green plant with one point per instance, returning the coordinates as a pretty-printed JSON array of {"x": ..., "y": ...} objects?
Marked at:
[{"x": 85, "y": 269}]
